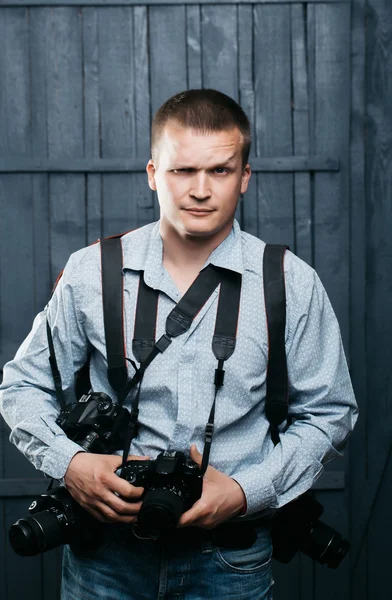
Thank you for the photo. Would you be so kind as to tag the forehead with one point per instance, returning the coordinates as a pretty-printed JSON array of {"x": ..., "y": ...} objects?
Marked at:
[{"x": 186, "y": 144}]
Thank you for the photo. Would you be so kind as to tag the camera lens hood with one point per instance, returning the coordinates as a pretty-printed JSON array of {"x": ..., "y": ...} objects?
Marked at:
[
  {"x": 161, "y": 510},
  {"x": 27, "y": 536}
]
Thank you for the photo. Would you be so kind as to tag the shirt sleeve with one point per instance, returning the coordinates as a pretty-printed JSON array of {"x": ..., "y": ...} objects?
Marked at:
[
  {"x": 322, "y": 403},
  {"x": 28, "y": 401}
]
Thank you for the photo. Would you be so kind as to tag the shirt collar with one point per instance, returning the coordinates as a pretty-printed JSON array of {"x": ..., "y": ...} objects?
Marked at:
[
  {"x": 143, "y": 250},
  {"x": 228, "y": 254}
]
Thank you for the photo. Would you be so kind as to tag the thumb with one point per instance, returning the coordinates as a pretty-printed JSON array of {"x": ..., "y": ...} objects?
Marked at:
[
  {"x": 195, "y": 455},
  {"x": 113, "y": 460}
]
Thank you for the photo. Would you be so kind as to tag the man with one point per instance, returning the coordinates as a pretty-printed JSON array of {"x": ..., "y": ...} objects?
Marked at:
[{"x": 200, "y": 148}]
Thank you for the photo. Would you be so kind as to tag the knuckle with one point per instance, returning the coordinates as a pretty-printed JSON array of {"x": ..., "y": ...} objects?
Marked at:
[
  {"x": 109, "y": 514},
  {"x": 203, "y": 505},
  {"x": 122, "y": 509},
  {"x": 104, "y": 478}
]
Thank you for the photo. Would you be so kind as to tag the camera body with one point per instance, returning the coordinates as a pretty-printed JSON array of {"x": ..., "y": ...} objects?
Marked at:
[
  {"x": 95, "y": 423},
  {"x": 296, "y": 527},
  {"x": 55, "y": 519},
  {"x": 172, "y": 484},
  {"x": 99, "y": 426}
]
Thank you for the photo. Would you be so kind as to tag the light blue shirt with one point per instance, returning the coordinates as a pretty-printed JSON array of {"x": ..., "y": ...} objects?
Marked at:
[{"x": 178, "y": 387}]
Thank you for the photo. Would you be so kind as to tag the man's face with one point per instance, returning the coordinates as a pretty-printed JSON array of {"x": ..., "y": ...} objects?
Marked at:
[{"x": 198, "y": 178}]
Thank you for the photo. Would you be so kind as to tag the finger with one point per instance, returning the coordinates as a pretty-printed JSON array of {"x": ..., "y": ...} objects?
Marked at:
[
  {"x": 123, "y": 488},
  {"x": 192, "y": 515},
  {"x": 134, "y": 457},
  {"x": 120, "y": 507},
  {"x": 108, "y": 515},
  {"x": 195, "y": 455}
]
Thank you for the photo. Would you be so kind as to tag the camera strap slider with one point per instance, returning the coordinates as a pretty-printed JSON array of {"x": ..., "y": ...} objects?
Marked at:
[
  {"x": 219, "y": 375},
  {"x": 209, "y": 431},
  {"x": 163, "y": 342}
]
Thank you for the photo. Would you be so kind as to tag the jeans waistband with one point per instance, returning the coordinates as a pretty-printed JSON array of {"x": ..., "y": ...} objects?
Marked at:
[{"x": 230, "y": 534}]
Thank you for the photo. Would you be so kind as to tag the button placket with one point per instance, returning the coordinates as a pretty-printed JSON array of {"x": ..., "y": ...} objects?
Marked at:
[{"x": 183, "y": 427}]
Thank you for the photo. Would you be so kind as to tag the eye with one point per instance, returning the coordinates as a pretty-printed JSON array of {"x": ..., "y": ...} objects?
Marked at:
[{"x": 221, "y": 169}]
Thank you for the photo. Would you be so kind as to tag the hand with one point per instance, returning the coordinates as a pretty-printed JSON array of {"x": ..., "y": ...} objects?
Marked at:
[
  {"x": 91, "y": 481},
  {"x": 222, "y": 498}
]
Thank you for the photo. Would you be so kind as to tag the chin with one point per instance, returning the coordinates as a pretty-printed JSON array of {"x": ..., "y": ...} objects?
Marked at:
[{"x": 199, "y": 229}]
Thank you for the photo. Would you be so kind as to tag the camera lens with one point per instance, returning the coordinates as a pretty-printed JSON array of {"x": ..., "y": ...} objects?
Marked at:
[
  {"x": 161, "y": 510},
  {"x": 32, "y": 535},
  {"x": 324, "y": 544},
  {"x": 336, "y": 550}
]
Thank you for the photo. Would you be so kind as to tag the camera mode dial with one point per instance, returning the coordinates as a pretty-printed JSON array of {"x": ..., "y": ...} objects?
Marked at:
[{"x": 104, "y": 405}]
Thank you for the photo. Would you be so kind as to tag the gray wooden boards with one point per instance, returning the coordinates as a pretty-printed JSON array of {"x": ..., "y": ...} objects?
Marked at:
[
  {"x": 274, "y": 164},
  {"x": 80, "y": 84},
  {"x": 14, "y": 3},
  {"x": 371, "y": 473}
]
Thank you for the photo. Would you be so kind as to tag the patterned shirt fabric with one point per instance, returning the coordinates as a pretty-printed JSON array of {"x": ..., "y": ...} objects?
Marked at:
[{"x": 178, "y": 387}]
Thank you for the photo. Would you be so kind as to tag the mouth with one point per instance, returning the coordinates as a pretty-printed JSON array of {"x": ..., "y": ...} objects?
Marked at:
[{"x": 199, "y": 211}]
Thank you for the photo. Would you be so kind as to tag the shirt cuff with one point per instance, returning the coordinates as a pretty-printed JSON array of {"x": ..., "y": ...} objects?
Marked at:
[
  {"x": 58, "y": 456},
  {"x": 259, "y": 494}
]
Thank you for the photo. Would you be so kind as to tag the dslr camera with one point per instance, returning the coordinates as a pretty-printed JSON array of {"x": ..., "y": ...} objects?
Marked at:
[
  {"x": 97, "y": 425},
  {"x": 172, "y": 484},
  {"x": 296, "y": 527}
]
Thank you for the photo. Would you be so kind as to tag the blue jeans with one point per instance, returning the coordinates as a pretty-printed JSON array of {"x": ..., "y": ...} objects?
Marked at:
[{"x": 126, "y": 568}]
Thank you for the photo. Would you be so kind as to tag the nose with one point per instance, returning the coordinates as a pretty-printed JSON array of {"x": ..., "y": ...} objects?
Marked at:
[{"x": 200, "y": 186}]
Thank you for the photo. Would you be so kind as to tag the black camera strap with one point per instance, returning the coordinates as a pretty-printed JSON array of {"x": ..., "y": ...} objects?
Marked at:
[
  {"x": 113, "y": 310},
  {"x": 178, "y": 322},
  {"x": 223, "y": 344},
  {"x": 54, "y": 368},
  {"x": 277, "y": 395}
]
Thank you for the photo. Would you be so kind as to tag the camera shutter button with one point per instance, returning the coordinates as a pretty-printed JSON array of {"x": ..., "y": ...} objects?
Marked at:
[{"x": 104, "y": 406}]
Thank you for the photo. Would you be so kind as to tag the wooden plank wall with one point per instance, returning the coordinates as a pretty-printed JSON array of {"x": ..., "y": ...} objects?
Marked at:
[
  {"x": 81, "y": 83},
  {"x": 371, "y": 260}
]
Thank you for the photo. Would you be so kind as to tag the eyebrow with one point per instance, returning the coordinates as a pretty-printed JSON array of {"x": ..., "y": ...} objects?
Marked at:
[{"x": 221, "y": 164}]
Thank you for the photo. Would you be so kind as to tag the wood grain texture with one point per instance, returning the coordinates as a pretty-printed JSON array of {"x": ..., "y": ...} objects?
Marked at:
[
  {"x": 331, "y": 93},
  {"x": 92, "y": 121},
  {"x": 300, "y": 103},
  {"x": 358, "y": 470},
  {"x": 16, "y": 257},
  {"x": 143, "y": 196},
  {"x": 118, "y": 117},
  {"x": 64, "y": 91},
  {"x": 248, "y": 203},
  {"x": 193, "y": 40},
  {"x": 378, "y": 280},
  {"x": 16, "y": 251},
  {"x": 167, "y": 43},
  {"x": 14, "y": 3},
  {"x": 220, "y": 49},
  {"x": 273, "y": 120},
  {"x": 330, "y": 80},
  {"x": 38, "y": 34},
  {"x": 117, "y": 79}
]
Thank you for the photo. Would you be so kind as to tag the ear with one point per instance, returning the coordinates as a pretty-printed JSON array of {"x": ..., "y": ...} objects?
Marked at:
[
  {"x": 246, "y": 173},
  {"x": 150, "y": 168}
]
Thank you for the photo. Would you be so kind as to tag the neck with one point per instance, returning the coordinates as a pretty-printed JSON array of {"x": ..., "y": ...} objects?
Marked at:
[{"x": 189, "y": 252}]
